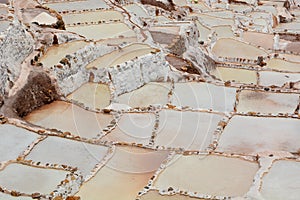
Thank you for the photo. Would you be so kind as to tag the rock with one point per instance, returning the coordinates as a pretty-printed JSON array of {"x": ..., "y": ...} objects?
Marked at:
[
  {"x": 58, "y": 198},
  {"x": 38, "y": 91},
  {"x": 166, "y": 5},
  {"x": 73, "y": 198},
  {"x": 14, "y": 48},
  {"x": 36, "y": 195}
]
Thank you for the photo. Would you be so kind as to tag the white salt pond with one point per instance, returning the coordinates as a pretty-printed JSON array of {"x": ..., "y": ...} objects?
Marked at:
[
  {"x": 77, "y": 5},
  {"x": 186, "y": 130},
  {"x": 133, "y": 128},
  {"x": 103, "y": 31},
  {"x": 201, "y": 173},
  {"x": 204, "y": 96},
  {"x": 27, "y": 179},
  {"x": 84, "y": 156},
  {"x": 149, "y": 94},
  {"x": 14, "y": 141},
  {"x": 282, "y": 181},
  {"x": 266, "y": 102},
  {"x": 94, "y": 16},
  {"x": 251, "y": 135}
]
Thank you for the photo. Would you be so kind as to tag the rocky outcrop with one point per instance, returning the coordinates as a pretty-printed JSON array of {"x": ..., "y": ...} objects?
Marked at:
[
  {"x": 181, "y": 64},
  {"x": 14, "y": 48},
  {"x": 294, "y": 2},
  {"x": 71, "y": 73},
  {"x": 166, "y": 5},
  {"x": 133, "y": 74},
  {"x": 293, "y": 37},
  {"x": 1, "y": 101},
  {"x": 39, "y": 90},
  {"x": 190, "y": 34},
  {"x": 178, "y": 47},
  {"x": 63, "y": 37},
  {"x": 284, "y": 15},
  {"x": 184, "y": 44}
]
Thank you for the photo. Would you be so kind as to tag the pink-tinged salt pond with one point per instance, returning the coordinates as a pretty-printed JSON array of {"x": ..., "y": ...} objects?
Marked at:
[
  {"x": 68, "y": 117},
  {"x": 124, "y": 175},
  {"x": 92, "y": 95},
  {"x": 231, "y": 48}
]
